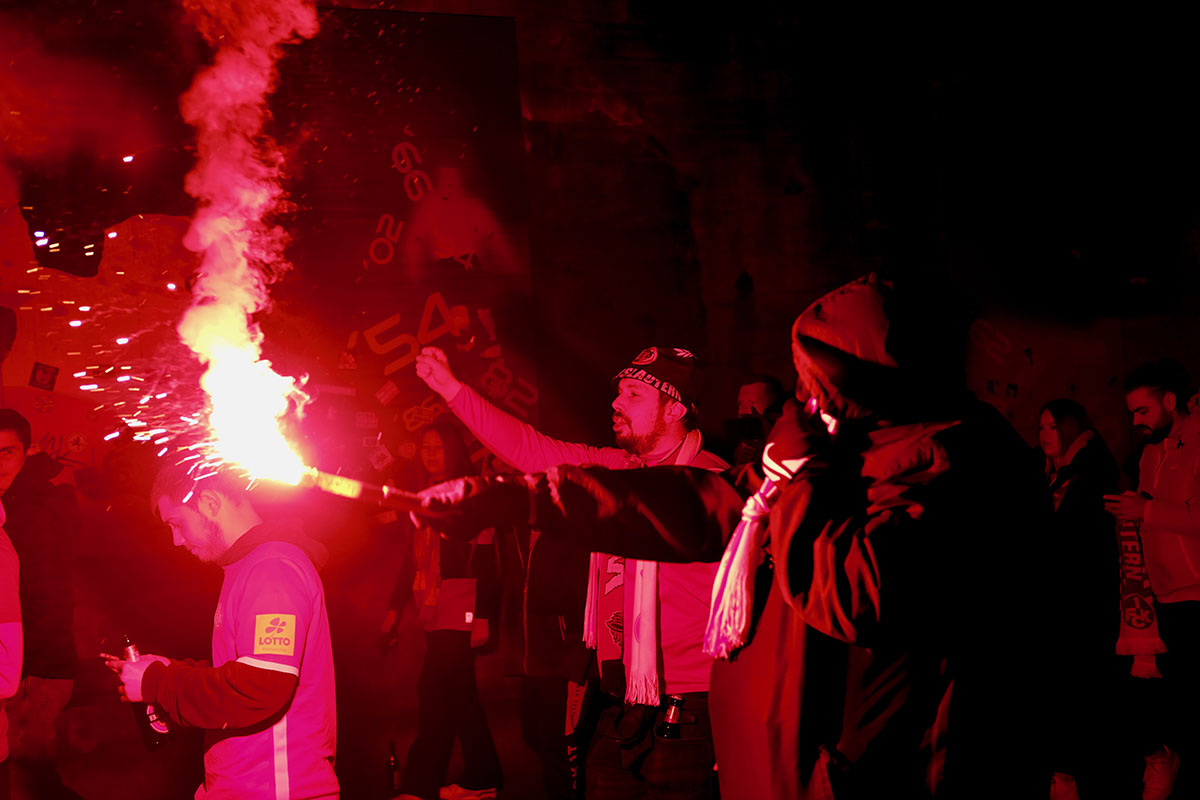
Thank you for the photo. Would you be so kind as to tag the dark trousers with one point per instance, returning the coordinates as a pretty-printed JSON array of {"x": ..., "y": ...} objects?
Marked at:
[
  {"x": 627, "y": 761},
  {"x": 448, "y": 708},
  {"x": 1176, "y": 698},
  {"x": 1096, "y": 712},
  {"x": 1179, "y": 627},
  {"x": 555, "y": 735},
  {"x": 32, "y": 721}
]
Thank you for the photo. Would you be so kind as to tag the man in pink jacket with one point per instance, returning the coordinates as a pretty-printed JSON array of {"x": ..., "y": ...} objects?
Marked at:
[{"x": 663, "y": 607}]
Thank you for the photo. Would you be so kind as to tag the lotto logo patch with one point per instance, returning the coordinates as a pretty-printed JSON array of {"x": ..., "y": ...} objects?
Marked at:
[{"x": 275, "y": 634}]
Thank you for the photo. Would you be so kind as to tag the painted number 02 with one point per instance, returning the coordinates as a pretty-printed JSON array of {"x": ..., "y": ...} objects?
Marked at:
[{"x": 383, "y": 247}]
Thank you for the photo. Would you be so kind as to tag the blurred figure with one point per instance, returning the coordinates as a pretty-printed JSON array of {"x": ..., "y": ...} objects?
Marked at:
[
  {"x": 43, "y": 524},
  {"x": 1080, "y": 470},
  {"x": 10, "y": 638},
  {"x": 1167, "y": 509},
  {"x": 456, "y": 589},
  {"x": 759, "y": 403},
  {"x": 267, "y": 703}
]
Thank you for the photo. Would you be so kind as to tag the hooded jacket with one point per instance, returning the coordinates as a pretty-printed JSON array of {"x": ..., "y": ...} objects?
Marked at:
[{"x": 900, "y": 609}]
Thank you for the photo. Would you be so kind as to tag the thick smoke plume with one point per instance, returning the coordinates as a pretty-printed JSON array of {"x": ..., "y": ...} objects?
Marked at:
[{"x": 237, "y": 183}]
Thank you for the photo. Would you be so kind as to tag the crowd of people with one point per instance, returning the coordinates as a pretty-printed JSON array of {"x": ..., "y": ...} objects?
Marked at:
[
  {"x": 889, "y": 594},
  {"x": 909, "y": 603}
]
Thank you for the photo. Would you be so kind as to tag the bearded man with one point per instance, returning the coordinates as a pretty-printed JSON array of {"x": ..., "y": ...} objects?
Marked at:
[
  {"x": 661, "y": 662},
  {"x": 1166, "y": 509}
]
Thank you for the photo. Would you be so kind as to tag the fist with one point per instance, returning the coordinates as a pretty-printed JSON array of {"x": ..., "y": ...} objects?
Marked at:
[{"x": 434, "y": 369}]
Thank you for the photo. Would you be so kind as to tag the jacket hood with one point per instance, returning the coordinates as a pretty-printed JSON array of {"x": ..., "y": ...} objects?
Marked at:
[
  {"x": 866, "y": 353},
  {"x": 317, "y": 553},
  {"x": 839, "y": 346}
]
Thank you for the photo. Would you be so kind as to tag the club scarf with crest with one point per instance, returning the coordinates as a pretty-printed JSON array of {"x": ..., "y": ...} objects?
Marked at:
[
  {"x": 640, "y": 642},
  {"x": 1139, "y": 624}
]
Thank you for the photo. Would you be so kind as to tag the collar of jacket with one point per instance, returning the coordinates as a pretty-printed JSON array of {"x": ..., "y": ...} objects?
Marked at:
[{"x": 317, "y": 553}]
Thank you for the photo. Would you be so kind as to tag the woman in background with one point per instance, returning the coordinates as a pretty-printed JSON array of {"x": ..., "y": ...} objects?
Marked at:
[
  {"x": 457, "y": 592},
  {"x": 1080, "y": 470}
]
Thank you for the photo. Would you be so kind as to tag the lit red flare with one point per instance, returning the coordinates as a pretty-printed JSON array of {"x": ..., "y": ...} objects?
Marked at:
[{"x": 236, "y": 181}]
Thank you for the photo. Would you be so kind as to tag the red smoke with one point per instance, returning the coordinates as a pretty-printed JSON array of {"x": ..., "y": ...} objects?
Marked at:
[
  {"x": 52, "y": 103},
  {"x": 236, "y": 181}
]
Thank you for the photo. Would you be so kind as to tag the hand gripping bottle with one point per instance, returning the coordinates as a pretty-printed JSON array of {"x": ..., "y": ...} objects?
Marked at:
[{"x": 151, "y": 724}]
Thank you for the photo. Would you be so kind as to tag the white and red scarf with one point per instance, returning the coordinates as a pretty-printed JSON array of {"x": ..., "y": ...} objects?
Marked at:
[{"x": 640, "y": 643}]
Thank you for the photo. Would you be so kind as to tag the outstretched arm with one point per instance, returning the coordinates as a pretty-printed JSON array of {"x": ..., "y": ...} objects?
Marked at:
[
  {"x": 517, "y": 442},
  {"x": 676, "y": 514}
]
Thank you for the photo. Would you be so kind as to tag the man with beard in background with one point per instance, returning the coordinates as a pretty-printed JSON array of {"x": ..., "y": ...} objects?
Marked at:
[{"x": 1166, "y": 508}]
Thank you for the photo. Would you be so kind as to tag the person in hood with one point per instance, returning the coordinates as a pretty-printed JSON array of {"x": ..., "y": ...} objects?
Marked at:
[
  {"x": 882, "y": 595},
  {"x": 267, "y": 703},
  {"x": 43, "y": 524}
]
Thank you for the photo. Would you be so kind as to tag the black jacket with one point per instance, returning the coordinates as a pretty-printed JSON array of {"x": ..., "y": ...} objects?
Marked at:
[
  {"x": 1085, "y": 535},
  {"x": 43, "y": 524}
]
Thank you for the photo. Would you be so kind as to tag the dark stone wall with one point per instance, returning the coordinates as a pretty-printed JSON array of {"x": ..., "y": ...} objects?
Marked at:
[
  {"x": 698, "y": 174},
  {"x": 669, "y": 201}
]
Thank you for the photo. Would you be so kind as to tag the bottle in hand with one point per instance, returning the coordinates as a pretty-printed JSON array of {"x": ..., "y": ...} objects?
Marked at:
[{"x": 151, "y": 724}]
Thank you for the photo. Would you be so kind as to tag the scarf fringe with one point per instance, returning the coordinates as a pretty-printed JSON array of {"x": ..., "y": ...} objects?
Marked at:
[
  {"x": 1145, "y": 667},
  {"x": 643, "y": 689},
  {"x": 591, "y": 606},
  {"x": 733, "y": 588}
]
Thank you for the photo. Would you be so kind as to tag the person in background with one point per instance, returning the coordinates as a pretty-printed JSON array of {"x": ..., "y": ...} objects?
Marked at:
[
  {"x": 43, "y": 525},
  {"x": 10, "y": 640},
  {"x": 1080, "y": 470},
  {"x": 457, "y": 592},
  {"x": 543, "y": 645},
  {"x": 1167, "y": 509},
  {"x": 267, "y": 704},
  {"x": 759, "y": 403}
]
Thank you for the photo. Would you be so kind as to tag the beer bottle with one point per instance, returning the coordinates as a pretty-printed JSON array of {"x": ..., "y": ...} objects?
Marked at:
[
  {"x": 151, "y": 724},
  {"x": 393, "y": 768},
  {"x": 669, "y": 727}
]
